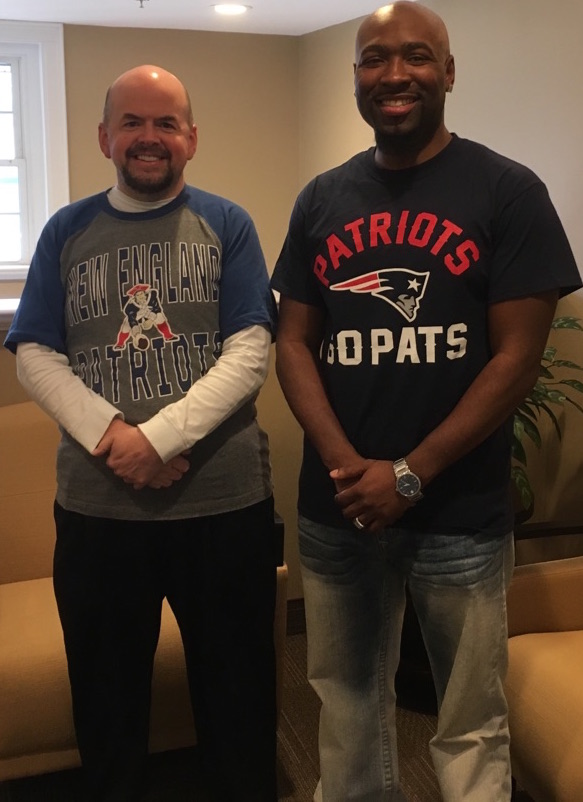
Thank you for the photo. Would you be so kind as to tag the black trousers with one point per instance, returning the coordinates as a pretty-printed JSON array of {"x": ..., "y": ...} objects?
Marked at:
[{"x": 219, "y": 576}]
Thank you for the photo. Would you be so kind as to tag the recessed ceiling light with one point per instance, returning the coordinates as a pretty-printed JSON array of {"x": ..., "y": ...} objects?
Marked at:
[{"x": 231, "y": 9}]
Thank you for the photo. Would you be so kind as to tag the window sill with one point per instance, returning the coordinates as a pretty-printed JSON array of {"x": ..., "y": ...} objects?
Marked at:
[
  {"x": 13, "y": 272},
  {"x": 7, "y": 310}
]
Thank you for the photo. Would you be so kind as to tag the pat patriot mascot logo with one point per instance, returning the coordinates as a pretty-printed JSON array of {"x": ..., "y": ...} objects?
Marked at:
[
  {"x": 142, "y": 312},
  {"x": 401, "y": 288}
]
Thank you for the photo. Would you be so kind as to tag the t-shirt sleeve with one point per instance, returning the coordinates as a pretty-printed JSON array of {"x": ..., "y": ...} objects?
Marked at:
[
  {"x": 531, "y": 253},
  {"x": 245, "y": 296},
  {"x": 293, "y": 275},
  {"x": 40, "y": 316}
]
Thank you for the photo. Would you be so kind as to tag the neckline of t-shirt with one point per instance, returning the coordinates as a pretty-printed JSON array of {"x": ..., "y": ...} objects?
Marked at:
[
  {"x": 405, "y": 174},
  {"x": 147, "y": 214}
]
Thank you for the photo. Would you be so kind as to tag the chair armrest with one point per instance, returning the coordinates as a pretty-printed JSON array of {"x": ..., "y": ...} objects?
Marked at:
[{"x": 546, "y": 597}]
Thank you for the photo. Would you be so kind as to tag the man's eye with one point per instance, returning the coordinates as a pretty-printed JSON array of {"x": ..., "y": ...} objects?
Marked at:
[
  {"x": 418, "y": 58},
  {"x": 372, "y": 61}
]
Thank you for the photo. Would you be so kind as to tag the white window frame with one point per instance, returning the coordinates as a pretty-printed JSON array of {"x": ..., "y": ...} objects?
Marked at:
[{"x": 39, "y": 48}]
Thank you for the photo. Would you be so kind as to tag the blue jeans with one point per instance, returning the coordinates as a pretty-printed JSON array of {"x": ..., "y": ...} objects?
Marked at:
[{"x": 354, "y": 589}]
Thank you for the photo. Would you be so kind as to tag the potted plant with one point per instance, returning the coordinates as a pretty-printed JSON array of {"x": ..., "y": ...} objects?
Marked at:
[{"x": 555, "y": 386}]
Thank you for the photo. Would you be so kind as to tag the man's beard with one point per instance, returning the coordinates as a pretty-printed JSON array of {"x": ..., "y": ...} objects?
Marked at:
[{"x": 145, "y": 186}]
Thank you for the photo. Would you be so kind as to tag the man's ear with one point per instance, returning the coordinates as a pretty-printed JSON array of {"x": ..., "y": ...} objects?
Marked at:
[
  {"x": 450, "y": 73},
  {"x": 103, "y": 138},
  {"x": 193, "y": 141}
]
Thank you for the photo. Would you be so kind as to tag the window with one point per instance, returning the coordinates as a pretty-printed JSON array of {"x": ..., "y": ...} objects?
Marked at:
[
  {"x": 13, "y": 245},
  {"x": 33, "y": 139}
]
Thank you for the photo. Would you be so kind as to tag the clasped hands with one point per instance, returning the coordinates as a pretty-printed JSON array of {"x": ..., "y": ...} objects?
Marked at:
[
  {"x": 131, "y": 456},
  {"x": 366, "y": 491}
]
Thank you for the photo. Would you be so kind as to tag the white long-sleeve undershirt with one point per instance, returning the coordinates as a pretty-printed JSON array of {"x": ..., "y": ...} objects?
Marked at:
[{"x": 235, "y": 378}]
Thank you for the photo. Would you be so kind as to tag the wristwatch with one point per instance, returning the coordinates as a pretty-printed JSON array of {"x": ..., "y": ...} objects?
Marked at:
[{"x": 408, "y": 483}]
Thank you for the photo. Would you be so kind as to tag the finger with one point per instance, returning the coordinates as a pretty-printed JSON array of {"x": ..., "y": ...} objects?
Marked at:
[
  {"x": 347, "y": 472},
  {"x": 346, "y": 498}
]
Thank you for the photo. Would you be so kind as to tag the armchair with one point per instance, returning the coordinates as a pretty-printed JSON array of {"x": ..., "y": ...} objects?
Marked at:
[{"x": 544, "y": 684}]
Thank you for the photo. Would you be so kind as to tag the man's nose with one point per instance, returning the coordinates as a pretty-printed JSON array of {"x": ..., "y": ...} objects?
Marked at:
[
  {"x": 148, "y": 132},
  {"x": 395, "y": 71}
]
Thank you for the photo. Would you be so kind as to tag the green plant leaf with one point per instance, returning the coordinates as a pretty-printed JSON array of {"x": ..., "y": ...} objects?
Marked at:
[
  {"x": 549, "y": 354},
  {"x": 564, "y": 363},
  {"x": 518, "y": 452},
  {"x": 545, "y": 373},
  {"x": 518, "y": 426},
  {"x": 574, "y": 383},
  {"x": 525, "y": 409},
  {"x": 532, "y": 431},
  {"x": 522, "y": 484},
  {"x": 538, "y": 393},
  {"x": 567, "y": 322},
  {"x": 556, "y": 397},
  {"x": 553, "y": 418},
  {"x": 574, "y": 403}
]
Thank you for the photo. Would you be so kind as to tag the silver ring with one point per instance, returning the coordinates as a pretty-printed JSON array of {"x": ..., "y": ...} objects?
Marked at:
[{"x": 358, "y": 523}]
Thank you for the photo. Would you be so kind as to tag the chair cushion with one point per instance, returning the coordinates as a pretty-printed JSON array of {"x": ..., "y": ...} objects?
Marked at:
[
  {"x": 544, "y": 687},
  {"x": 36, "y": 718},
  {"x": 36, "y": 722}
]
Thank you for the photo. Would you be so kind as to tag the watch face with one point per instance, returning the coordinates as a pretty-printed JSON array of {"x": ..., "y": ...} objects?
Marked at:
[{"x": 408, "y": 485}]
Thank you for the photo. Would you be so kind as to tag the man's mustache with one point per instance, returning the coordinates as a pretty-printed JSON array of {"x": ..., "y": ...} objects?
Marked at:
[{"x": 145, "y": 150}]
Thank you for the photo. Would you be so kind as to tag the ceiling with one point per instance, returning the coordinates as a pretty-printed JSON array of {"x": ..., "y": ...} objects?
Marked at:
[{"x": 287, "y": 17}]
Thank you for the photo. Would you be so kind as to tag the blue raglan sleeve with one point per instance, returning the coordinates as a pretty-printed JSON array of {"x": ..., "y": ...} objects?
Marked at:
[
  {"x": 245, "y": 296},
  {"x": 40, "y": 316}
]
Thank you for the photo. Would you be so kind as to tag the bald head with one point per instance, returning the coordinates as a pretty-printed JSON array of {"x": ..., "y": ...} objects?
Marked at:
[
  {"x": 386, "y": 15},
  {"x": 144, "y": 78}
]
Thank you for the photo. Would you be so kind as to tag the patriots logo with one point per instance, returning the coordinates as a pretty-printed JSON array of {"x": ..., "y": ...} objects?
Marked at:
[{"x": 401, "y": 288}]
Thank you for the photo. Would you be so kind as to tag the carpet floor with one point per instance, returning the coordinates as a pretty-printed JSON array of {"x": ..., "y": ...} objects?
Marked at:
[{"x": 173, "y": 775}]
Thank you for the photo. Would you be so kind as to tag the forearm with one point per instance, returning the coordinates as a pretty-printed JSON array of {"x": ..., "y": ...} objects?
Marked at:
[
  {"x": 49, "y": 380},
  {"x": 301, "y": 382},
  {"x": 236, "y": 377},
  {"x": 518, "y": 333},
  {"x": 489, "y": 401}
]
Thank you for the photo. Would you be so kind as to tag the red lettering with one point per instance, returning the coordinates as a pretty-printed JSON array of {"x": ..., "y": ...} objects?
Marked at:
[
  {"x": 379, "y": 227},
  {"x": 354, "y": 229},
  {"x": 423, "y": 219},
  {"x": 463, "y": 251},
  {"x": 449, "y": 229},
  {"x": 336, "y": 249},
  {"x": 402, "y": 228},
  {"x": 320, "y": 266}
]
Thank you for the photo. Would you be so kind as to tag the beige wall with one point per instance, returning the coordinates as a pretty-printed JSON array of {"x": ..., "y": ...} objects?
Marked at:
[{"x": 273, "y": 111}]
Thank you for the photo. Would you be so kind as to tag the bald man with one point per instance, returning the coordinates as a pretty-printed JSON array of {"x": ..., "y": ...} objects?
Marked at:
[
  {"x": 144, "y": 330},
  {"x": 418, "y": 282}
]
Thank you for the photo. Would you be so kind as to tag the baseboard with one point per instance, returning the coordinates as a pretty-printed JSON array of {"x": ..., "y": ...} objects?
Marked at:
[{"x": 296, "y": 617}]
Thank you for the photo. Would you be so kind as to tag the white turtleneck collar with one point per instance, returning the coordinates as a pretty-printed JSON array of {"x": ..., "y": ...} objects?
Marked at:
[{"x": 124, "y": 203}]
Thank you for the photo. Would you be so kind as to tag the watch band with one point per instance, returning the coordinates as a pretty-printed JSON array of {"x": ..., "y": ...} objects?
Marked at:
[{"x": 408, "y": 483}]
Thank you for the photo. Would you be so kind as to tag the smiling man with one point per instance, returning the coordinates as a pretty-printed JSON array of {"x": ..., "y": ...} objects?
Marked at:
[
  {"x": 148, "y": 132},
  {"x": 403, "y": 70},
  {"x": 144, "y": 330},
  {"x": 418, "y": 282}
]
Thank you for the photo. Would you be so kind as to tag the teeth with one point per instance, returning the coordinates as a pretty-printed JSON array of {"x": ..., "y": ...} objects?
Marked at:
[
  {"x": 396, "y": 102},
  {"x": 147, "y": 158}
]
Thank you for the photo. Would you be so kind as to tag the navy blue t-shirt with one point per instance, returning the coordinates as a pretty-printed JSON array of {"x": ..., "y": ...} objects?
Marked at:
[{"x": 404, "y": 264}]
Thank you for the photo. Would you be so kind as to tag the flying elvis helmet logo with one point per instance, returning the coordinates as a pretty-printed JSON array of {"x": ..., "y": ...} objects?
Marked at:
[{"x": 400, "y": 287}]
